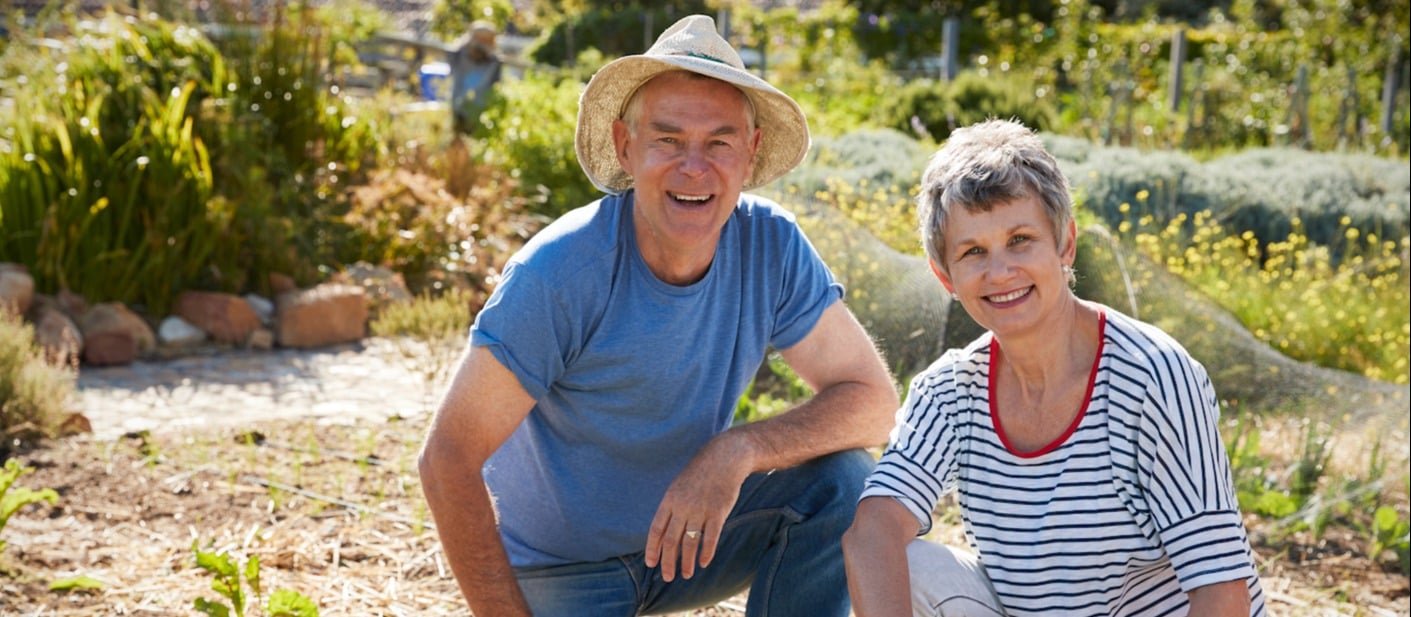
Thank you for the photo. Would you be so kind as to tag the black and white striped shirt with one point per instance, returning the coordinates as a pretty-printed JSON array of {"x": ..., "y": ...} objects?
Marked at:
[{"x": 1124, "y": 515}]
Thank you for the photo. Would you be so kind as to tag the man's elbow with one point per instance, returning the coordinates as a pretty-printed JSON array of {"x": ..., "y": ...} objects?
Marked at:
[
  {"x": 881, "y": 410},
  {"x": 436, "y": 461}
]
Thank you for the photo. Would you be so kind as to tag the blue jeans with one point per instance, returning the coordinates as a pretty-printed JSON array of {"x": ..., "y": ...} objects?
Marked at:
[{"x": 783, "y": 540}]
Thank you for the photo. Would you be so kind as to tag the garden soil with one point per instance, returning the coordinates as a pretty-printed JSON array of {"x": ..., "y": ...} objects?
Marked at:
[{"x": 330, "y": 505}]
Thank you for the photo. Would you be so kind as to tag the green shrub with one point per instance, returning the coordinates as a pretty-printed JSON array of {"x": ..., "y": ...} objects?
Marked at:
[
  {"x": 104, "y": 187},
  {"x": 286, "y": 143},
  {"x": 157, "y": 161},
  {"x": 435, "y": 232},
  {"x": 614, "y": 29},
  {"x": 34, "y": 394},
  {"x": 972, "y": 97},
  {"x": 527, "y": 129}
]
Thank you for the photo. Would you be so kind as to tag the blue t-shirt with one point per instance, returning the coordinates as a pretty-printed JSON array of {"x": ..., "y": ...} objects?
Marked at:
[{"x": 631, "y": 375}]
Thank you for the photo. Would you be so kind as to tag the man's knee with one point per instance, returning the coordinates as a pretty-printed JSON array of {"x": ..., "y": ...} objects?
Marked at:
[{"x": 847, "y": 469}]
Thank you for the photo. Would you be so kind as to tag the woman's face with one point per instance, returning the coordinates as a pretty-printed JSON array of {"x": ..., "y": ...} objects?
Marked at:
[{"x": 1006, "y": 265}]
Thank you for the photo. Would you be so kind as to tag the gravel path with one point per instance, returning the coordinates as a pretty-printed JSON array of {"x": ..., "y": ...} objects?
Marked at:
[{"x": 366, "y": 380}]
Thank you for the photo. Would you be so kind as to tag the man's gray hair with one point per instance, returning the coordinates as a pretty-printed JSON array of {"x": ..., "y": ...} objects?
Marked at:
[{"x": 632, "y": 109}]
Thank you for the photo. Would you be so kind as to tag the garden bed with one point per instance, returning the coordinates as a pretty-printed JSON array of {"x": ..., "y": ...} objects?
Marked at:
[{"x": 335, "y": 512}]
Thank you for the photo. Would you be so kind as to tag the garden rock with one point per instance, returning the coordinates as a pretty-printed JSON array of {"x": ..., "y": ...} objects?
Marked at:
[
  {"x": 57, "y": 334},
  {"x": 227, "y": 318},
  {"x": 176, "y": 332},
  {"x": 110, "y": 334},
  {"x": 324, "y": 315},
  {"x": 261, "y": 339},
  {"x": 381, "y": 286},
  {"x": 264, "y": 309},
  {"x": 16, "y": 288},
  {"x": 72, "y": 304},
  {"x": 281, "y": 284}
]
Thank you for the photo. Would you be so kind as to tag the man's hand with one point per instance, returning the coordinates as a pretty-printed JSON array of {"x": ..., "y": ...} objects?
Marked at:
[{"x": 692, "y": 512}]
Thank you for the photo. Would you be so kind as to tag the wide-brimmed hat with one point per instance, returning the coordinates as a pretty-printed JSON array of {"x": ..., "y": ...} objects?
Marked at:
[
  {"x": 482, "y": 34},
  {"x": 691, "y": 44}
]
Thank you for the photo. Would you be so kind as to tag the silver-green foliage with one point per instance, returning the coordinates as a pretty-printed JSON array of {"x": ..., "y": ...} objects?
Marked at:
[
  {"x": 33, "y": 392},
  {"x": 1261, "y": 190}
]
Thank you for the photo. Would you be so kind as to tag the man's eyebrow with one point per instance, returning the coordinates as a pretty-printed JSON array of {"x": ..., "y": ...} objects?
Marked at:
[{"x": 667, "y": 127}]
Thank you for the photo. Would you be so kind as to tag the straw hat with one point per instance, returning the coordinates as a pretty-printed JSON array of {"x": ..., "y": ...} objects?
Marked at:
[
  {"x": 691, "y": 44},
  {"x": 482, "y": 34}
]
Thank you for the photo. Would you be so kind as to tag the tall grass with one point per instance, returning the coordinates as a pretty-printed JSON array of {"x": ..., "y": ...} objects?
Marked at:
[
  {"x": 34, "y": 394},
  {"x": 104, "y": 188}
]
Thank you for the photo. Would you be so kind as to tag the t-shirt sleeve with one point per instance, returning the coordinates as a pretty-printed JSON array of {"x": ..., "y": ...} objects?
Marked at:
[
  {"x": 524, "y": 325},
  {"x": 919, "y": 465},
  {"x": 1185, "y": 473},
  {"x": 808, "y": 288}
]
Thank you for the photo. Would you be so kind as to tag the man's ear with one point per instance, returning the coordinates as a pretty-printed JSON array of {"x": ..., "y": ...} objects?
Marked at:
[
  {"x": 941, "y": 276},
  {"x": 620, "y": 138}
]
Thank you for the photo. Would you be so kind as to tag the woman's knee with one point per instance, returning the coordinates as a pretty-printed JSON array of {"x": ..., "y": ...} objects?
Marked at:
[{"x": 949, "y": 582}]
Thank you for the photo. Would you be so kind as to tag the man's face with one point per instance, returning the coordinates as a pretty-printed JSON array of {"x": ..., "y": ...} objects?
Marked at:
[{"x": 689, "y": 148}]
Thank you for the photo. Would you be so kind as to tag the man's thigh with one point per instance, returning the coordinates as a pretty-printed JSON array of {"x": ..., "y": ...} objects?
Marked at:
[{"x": 601, "y": 589}]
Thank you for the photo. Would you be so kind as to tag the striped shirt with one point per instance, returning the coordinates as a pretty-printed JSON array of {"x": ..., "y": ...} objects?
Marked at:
[{"x": 1124, "y": 515}]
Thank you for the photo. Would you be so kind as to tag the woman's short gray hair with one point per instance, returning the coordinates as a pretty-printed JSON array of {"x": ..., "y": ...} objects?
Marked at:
[{"x": 985, "y": 165}]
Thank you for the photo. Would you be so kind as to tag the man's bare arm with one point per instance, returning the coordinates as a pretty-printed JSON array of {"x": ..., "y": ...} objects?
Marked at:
[
  {"x": 853, "y": 407},
  {"x": 482, "y": 407}
]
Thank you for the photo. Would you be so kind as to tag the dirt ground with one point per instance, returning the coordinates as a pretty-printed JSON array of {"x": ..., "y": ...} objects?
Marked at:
[{"x": 335, "y": 513}]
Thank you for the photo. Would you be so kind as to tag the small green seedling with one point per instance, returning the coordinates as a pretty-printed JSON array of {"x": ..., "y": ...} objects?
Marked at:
[
  {"x": 77, "y": 584},
  {"x": 11, "y": 502},
  {"x": 230, "y": 582}
]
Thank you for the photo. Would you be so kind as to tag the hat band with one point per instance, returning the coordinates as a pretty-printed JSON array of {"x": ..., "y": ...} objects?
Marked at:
[{"x": 696, "y": 54}]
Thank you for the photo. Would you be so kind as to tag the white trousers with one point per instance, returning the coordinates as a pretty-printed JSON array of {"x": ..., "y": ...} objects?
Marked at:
[{"x": 949, "y": 582}]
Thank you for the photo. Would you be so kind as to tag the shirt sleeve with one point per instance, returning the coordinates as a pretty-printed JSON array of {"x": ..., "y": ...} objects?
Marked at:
[
  {"x": 1185, "y": 474},
  {"x": 920, "y": 463},
  {"x": 524, "y": 325},
  {"x": 808, "y": 289}
]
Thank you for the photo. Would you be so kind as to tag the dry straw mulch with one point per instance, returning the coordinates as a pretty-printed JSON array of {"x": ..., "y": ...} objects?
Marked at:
[{"x": 335, "y": 512}]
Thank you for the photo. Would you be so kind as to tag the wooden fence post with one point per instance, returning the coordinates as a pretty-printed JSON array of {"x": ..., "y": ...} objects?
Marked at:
[
  {"x": 1197, "y": 99},
  {"x": 1178, "y": 65},
  {"x": 570, "y": 56},
  {"x": 1349, "y": 123},
  {"x": 950, "y": 44},
  {"x": 1296, "y": 120},
  {"x": 1391, "y": 83}
]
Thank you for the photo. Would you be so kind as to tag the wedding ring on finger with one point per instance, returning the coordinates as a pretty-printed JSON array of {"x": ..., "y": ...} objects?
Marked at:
[{"x": 693, "y": 534}]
